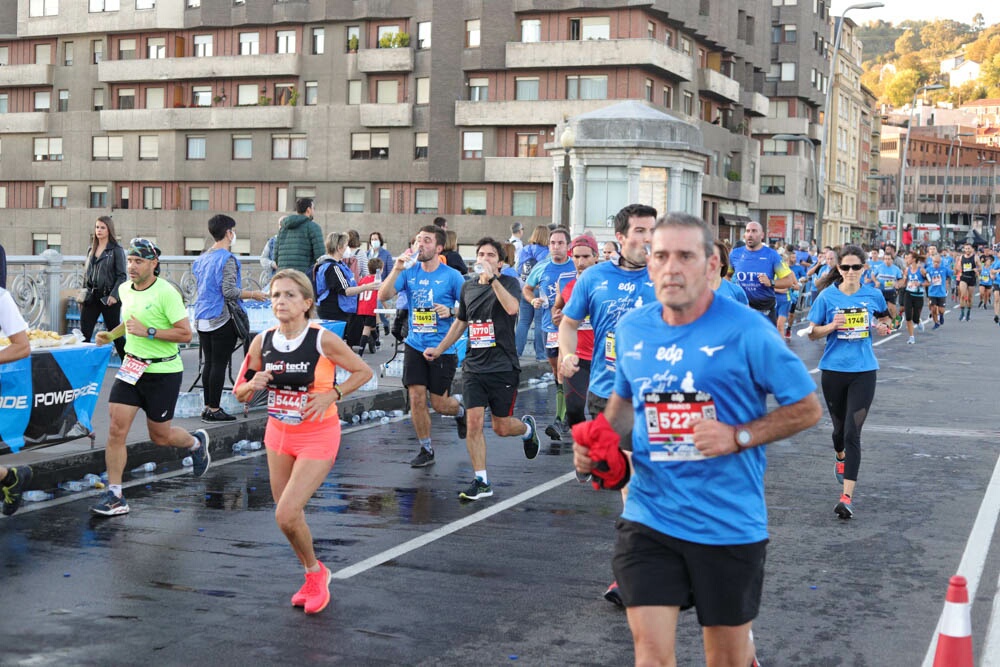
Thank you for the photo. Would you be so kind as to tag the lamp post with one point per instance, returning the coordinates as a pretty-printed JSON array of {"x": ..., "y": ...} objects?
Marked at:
[
  {"x": 827, "y": 126},
  {"x": 806, "y": 139},
  {"x": 947, "y": 172},
  {"x": 567, "y": 139},
  {"x": 901, "y": 186}
]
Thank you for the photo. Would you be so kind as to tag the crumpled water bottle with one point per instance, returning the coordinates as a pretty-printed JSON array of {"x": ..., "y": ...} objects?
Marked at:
[
  {"x": 187, "y": 462},
  {"x": 35, "y": 496},
  {"x": 144, "y": 468},
  {"x": 72, "y": 485},
  {"x": 91, "y": 480}
]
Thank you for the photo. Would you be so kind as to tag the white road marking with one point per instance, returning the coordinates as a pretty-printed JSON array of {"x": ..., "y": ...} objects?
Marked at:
[
  {"x": 448, "y": 529},
  {"x": 934, "y": 431}
]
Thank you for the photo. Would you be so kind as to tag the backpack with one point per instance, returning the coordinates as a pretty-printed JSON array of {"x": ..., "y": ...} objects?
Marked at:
[
  {"x": 526, "y": 266},
  {"x": 319, "y": 280}
]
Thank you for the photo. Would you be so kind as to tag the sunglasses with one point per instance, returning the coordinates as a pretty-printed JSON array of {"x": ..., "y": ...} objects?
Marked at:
[{"x": 851, "y": 267}]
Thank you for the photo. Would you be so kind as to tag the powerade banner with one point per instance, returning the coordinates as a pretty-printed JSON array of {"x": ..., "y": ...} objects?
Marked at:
[{"x": 49, "y": 397}]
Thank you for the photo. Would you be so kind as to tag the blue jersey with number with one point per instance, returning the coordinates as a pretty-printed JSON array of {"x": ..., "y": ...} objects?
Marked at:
[
  {"x": 939, "y": 278},
  {"x": 849, "y": 347},
  {"x": 606, "y": 292},
  {"x": 736, "y": 358},
  {"x": 749, "y": 264},
  {"x": 888, "y": 275},
  {"x": 423, "y": 290},
  {"x": 550, "y": 278}
]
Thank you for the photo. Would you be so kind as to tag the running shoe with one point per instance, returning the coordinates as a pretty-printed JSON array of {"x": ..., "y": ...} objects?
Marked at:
[
  {"x": 461, "y": 423},
  {"x": 911, "y": 341},
  {"x": 12, "y": 494},
  {"x": 996, "y": 319},
  {"x": 937, "y": 325},
  {"x": 839, "y": 470},
  {"x": 531, "y": 444},
  {"x": 844, "y": 509},
  {"x": 423, "y": 459},
  {"x": 613, "y": 595},
  {"x": 553, "y": 431},
  {"x": 213, "y": 416},
  {"x": 317, "y": 590},
  {"x": 110, "y": 505},
  {"x": 202, "y": 457},
  {"x": 920, "y": 326},
  {"x": 477, "y": 489}
]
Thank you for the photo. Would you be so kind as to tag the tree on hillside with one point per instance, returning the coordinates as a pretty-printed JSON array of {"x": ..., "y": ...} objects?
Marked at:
[
  {"x": 967, "y": 92},
  {"x": 978, "y": 22},
  {"x": 908, "y": 42},
  {"x": 989, "y": 74},
  {"x": 943, "y": 35},
  {"x": 899, "y": 90}
]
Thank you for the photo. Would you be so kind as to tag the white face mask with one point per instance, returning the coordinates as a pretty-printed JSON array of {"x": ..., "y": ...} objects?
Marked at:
[
  {"x": 348, "y": 252},
  {"x": 376, "y": 244},
  {"x": 234, "y": 237}
]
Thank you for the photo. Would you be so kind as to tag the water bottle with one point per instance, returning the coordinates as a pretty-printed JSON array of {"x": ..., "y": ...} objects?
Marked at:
[
  {"x": 187, "y": 462},
  {"x": 104, "y": 476},
  {"x": 72, "y": 485},
  {"x": 78, "y": 335},
  {"x": 478, "y": 268},
  {"x": 35, "y": 496},
  {"x": 355, "y": 419},
  {"x": 255, "y": 445},
  {"x": 383, "y": 420},
  {"x": 144, "y": 468},
  {"x": 365, "y": 416},
  {"x": 91, "y": 480},
  {"x": 397, "y": 413},
  {"x": 240, "y": 446}
]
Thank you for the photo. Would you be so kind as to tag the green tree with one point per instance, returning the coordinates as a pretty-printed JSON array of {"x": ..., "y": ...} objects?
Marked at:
[
  {"x": 989, "y": 72},
  {"x": 899, "y": 91},
  {"x": 908, "y": 42},
  {"x": 978, "y": 22},
  {"x": 943, "y": 35}
]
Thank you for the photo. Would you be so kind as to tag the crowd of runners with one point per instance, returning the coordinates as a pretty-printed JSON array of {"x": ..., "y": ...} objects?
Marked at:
[{"x": 668, "y": 339}]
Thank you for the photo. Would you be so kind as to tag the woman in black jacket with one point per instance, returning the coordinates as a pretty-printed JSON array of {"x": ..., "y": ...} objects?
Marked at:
[{"x": 103, "y": 273}]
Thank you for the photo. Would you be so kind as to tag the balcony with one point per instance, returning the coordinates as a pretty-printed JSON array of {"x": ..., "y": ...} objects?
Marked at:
[
  {"x": 780, "y": 125},
  {"x": 223, "y": 118},
  {"x": 518, "y": 169},
  {"x": 386, "y": 115},
  {"x": 24, "y": 123},
  {"x": 817, "y": 132},
  {"x": 372, "y": 61},
  {"x": 718, "y": 85},
  {"x": 18, "y": 76},
  {"x": 755, "y": 104},
  {"x": 180, "y": 69},
  {"x": 601, "y": 53},
  {"x": 523, "y": 112}
]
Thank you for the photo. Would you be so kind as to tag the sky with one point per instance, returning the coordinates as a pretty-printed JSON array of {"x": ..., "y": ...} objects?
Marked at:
[{"x": 896, "y": 11}]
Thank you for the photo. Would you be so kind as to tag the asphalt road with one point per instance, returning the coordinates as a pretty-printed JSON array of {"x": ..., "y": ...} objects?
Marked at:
[{"x": 199, "y": 574}]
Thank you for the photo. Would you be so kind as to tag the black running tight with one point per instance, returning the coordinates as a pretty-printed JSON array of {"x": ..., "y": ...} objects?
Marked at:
[
  {"x": 848, "y": 397},
  {"x": 575, "y": 389}
]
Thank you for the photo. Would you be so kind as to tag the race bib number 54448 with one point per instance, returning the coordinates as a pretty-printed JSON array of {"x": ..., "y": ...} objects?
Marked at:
[{"x": 670, "y": 420}]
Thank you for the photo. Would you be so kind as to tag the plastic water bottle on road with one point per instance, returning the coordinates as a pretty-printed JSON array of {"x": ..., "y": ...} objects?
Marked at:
[
  {"x": 35, "y": 496},
  {"x": 144, "y": 468}
]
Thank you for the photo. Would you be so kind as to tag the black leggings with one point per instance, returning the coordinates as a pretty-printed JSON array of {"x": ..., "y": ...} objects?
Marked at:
[
  {"x": 217, "y": 351},
  {"x": 912, "y": 306},
  {"x": 575, "y": 390},
  {"x": 848, "y": 397},
  {"x": 89, "y": 313}
]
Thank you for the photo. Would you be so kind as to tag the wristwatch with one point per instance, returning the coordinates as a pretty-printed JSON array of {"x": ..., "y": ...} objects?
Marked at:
[
  {"x": 743, "y": 438},
  {"x": 151, "y": 333},
  {"x": 491, "y": 280}
]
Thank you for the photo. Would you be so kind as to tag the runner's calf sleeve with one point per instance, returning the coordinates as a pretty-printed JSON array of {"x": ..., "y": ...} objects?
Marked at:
[{"x": 560, "y": 401}]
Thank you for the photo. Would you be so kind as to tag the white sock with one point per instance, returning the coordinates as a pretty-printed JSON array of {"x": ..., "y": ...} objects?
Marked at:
[
  {"x": 196, "y": 445},
  {"x": 481, "y": 474},
  {"x": 527, "y": 434},
  {"x": 115, "y": 489}
]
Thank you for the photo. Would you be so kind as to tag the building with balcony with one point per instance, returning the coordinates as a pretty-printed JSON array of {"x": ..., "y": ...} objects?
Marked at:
[{"x": 386, "y": 113}]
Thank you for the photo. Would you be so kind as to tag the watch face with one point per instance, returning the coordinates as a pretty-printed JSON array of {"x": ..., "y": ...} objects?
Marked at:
[{"x": 743, "y": 437}]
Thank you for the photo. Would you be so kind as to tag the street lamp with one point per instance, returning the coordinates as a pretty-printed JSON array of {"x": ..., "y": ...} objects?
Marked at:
[
  {"x": 947, "y": 172},
  {"x": 827, "y": 126},
  {"x": 567, "y": 139},
  {"x": 901, "y": 186},
  {"x": 808, "y": 140}
]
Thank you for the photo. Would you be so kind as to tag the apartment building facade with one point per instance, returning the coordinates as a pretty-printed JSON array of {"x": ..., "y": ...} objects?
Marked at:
[{"x": 386, "y": 113}]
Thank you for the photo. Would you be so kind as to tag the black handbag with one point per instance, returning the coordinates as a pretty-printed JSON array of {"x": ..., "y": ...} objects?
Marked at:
[{"x": 241, "y": 322}]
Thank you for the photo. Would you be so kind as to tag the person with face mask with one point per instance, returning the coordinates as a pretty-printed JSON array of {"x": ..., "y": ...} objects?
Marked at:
[{"x": 377, "y": 250}]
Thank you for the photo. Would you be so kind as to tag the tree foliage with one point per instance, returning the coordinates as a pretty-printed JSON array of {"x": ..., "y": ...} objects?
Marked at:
[
  {"x": 900, "y": 89},
  {"x": 908, "y": 42}
]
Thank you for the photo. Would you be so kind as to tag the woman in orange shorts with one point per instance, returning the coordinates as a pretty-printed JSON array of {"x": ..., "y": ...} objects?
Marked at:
[{"x": 303, "y": 427}]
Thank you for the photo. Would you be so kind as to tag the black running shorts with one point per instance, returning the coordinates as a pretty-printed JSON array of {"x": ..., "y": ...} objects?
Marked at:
[
  {"x": 496, "y": 390},
  {"x": 435, "y": 375},
  {"x": 154, "y": 393}
]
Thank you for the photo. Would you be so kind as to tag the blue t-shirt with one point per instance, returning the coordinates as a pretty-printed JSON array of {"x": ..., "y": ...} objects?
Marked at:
[
  {"x": 984, "y": 274},
  {"x": 939, "y": 278},
  {"x": 915, "y": 281},
  {"x": 606, "y": 292},
  {"x": 996, "y": 267},
  {"x": 550, "y": 278},
  {"x": 441, "y": 286},
  {"x": 849, "y": 347},
  {"x": 731, "y": 290},
  {"x": 887, "y": 275},
  {"x": 747, "y": 267},
  {"x": 737, "y": 358}
]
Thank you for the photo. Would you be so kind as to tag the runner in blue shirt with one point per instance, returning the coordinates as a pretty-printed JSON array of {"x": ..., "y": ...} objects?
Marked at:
[
  {"x": 913, "y": 295},
  {"x": 722, "y": 285},
  {"x": 432, "y": 289},
  {"x": 995, "y": 277},
  {"x": 940, "y": 278},
  {"x": 886, "y": 278},
  {"x": 844, "y": 315},
  {"x": 758, "y": 270},
  {"x": 692, "y": 380},
  {"x": 985, "y": 280}
]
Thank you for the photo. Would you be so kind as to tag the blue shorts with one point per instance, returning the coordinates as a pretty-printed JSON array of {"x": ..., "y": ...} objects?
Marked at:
[{"x": 784, "y": 307}]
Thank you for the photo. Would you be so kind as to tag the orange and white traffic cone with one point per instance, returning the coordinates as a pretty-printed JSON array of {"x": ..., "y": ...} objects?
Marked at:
[{"x": 954, "y": 647}]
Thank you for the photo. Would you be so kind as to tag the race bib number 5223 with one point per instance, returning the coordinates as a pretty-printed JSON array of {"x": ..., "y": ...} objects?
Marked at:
[{"x": 670, "y": 420}]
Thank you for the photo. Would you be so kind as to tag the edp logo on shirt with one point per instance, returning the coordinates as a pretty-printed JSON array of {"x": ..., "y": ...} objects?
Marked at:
[{"x": 673, "y": 354}]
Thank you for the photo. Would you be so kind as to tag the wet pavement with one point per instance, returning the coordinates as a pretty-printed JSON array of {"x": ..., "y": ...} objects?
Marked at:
[{"x": 198, "y": 573}]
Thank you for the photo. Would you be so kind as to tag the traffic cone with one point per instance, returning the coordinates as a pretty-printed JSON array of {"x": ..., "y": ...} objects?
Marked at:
[{"x": 954, "y": 647}]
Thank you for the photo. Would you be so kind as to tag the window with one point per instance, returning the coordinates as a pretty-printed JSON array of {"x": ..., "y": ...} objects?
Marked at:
[
  {"x": 201, "y": 96},
  {"x": 156, "y": 47},
  {"x": 154, "y": 98},
  {"x": 288, "y": 147},
  {"x": 59, "y": 193},
  {"x": 472, "y": 34},
  {"x": 788, "y": 71},
  {"x": 587, "y": 87},
  {"x": 67, "y": 53},
  {"x": 479, "y": 89},
  {"x": 107, "y": 148},
  {"x": 423, "y": 90},
  {"x": 63, "y": 100},
  {"x": 352, "y": 36},
  {"x": 246, "y": 95},
  {"x": 48, "y": 148},
  {"x": 472, "y": 145},
  {"x": 246, "y": 199},
  {"x": 193, "y": 3},
  {"x": 123, "y": 197},
  {"x": 318, "y": 41},
  {"x": 668, "y": 97},
  {"x": 4, "y": 55},
  {"x": 98, "y": 196},
  {"x": 98, "y": 99},
  {"x": 772, "y": 185},
  {"x": 149, "y": 147},
  {"x": 385, "y": 200},
  {"x": 285, "y": 41},
  {"x": 281, "y": 199},
  {"x": 43, "y": 54},
  {"x": 283, "y": 93},
  {"x": 370, "y": 146},
  {"x": 196, "y": 148},
  {"x": 387, "y": 92},
  {"x": 198, "y": 198},
  {"x": 525, "y": 88},
  {"x": 595, "y": 27},
  {"x": 354, "y": 92},
  {"x": 43, "y": 100},
  {"x": 97, "y": 50},
  {"x": 312, "y": 93},
  {"x": 474, "y": 202},
  {"x": 420, "y": 146},
  {"x": 3, "y": 196},
  {"x": 775, "y": 147},
  {"x": 203, "y": 46},
  {"x": 649, "y": 90},
  {"x": 126, "y": 98},
  {"x": 145, "y": 4},
  {"x": 3, "y": 102},
  {"x": 152, "y": 198},
  {"x": 42, "y": 242},
  {"x": 527, "y": 145},
  {"x": 426, "y": 201},
  {"x": 523, "y": 203},
  {"x": 424, "y": 35},
  {"x": 607, "y": 192},
  {"x": 354, "y": 200},
  {"x": 777, "y": 109},
  {"x": 43, "y": 8},
  {"x": 688, "y": 103},
  {"x": 242, "y": 147},
  {"x": 531, "y": 30},
  {"x": 650, "y": 30},
  {"x": 126, "y": 49},
  {"x": 249, "y": 43},
  {"x": 685, "y": 46}
]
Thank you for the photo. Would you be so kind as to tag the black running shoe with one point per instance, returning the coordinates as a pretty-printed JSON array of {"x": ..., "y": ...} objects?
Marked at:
[
  {"x": 478, "y": 489},
  {"x": 461, "y": 423},
  {"x": 423, "y": 459},
  {"x": 553, "y": 431},
  {"x": 213, "y": 416},
  {"x": 110, "y": 505},
  {"x": 202, "y": 457},
  {"x": 844, "y": 509},
  {"x": 613, "y": 595},
  {"x": 531, "y": 444},
  {"x": 12, "y": 494}
]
